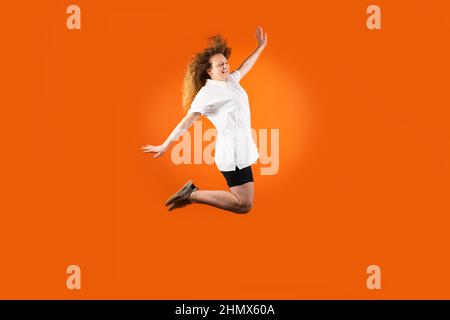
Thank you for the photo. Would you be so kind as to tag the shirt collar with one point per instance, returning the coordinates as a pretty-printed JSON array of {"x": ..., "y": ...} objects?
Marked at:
[{"x": 217, "y": 82}]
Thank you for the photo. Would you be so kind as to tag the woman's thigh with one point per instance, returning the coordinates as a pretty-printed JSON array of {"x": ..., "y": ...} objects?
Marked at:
[{"x": 244, "y": 192}]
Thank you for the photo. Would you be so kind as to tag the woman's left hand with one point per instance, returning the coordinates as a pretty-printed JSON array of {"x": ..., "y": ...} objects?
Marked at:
[{"x": 262, "y": 38}]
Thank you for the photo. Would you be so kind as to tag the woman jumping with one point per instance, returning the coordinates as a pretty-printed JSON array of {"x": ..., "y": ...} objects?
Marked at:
[{"x": 211, "y": 90}]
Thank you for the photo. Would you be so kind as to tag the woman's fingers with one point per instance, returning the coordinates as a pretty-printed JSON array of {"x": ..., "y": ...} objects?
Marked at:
[
  {"x": 159, "y": 150},
  {"x": 149, "y": 148},
  {"x": 260, "y": 35}
]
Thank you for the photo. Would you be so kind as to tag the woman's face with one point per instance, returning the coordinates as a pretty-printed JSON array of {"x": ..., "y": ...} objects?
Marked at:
[{"x": 220, "y": 68}]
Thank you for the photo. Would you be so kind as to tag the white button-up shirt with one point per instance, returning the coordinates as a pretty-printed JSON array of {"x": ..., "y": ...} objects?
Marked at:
[{"x": 225, "y": 104}]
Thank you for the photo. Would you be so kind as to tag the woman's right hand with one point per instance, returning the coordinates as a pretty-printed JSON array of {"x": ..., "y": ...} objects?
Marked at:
[
  {"x": 262, "y": 37},
  {"x": 159, "y": 150}
]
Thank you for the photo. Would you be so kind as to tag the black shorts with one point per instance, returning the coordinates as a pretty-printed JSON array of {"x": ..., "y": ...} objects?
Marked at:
[{"x": 238, "y": 176}]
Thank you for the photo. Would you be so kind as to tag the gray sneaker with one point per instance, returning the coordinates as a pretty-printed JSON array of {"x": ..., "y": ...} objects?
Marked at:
[{"x": 182, "y": 194}]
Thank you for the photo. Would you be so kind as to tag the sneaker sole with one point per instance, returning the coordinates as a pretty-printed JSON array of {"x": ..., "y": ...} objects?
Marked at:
[{"x": 179, "y": 194}]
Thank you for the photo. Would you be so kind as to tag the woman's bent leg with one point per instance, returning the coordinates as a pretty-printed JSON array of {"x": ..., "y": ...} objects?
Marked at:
[{"x": 239, "y": 199}]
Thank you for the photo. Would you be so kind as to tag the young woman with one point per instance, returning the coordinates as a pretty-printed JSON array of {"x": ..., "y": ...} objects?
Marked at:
[{"x": 210, "y": 89}]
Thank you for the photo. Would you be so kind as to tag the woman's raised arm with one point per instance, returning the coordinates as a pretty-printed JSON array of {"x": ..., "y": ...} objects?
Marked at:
[
  {"x": 250, "y": 61},
  {"x": 184, "y": 124}
]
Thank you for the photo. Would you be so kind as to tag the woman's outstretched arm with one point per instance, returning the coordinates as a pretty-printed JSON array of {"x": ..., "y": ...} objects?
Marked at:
[
  {"x": 250, "y": 61},
  {"x": 184, "y": 124}
]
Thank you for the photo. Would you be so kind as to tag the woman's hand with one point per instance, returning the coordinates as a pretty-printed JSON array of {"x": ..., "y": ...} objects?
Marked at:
[
  {"x": 159, "y": 150},
  {"x": 262, "y": 38}
]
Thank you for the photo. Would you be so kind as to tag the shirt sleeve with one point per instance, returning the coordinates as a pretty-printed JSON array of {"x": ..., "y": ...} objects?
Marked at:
[
  {"x": 201, "y": 102},
  {"x": 235, "y": 76}
]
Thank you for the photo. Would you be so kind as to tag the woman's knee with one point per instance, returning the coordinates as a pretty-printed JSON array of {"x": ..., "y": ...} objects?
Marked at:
[
  {"x": 245, "y": 207},
  {"x": 244, "y": 194}
]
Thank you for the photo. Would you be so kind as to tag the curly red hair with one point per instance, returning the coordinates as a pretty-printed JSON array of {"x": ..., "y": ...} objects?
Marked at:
[{"x": 196, "y": 72}]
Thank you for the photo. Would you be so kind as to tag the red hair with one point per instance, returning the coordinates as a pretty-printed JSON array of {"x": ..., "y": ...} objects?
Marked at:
[{"x": 196, "y": 73}]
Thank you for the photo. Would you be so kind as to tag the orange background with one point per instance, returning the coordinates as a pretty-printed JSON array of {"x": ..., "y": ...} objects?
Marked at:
[{"x": 364, "y": 152}]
